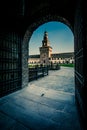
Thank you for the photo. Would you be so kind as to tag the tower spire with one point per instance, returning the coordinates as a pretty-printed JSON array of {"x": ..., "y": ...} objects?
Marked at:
[
  {"x": 45, "y": 41},
  {"x": 45, "y": 50}
]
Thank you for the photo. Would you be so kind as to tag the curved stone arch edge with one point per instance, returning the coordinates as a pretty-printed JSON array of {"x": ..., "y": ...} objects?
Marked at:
[{"x": 27, "y": 36}]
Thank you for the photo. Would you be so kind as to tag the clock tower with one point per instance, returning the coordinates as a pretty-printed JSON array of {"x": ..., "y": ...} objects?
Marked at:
[{"x": 45, "y": 50}]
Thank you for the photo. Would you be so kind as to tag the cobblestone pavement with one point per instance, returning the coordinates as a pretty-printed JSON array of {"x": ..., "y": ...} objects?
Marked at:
[{"x": 46, "y": 104}]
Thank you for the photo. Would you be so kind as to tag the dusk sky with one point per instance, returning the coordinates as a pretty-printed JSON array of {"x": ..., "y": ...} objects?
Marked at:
[{"x": 60, "y": 37}]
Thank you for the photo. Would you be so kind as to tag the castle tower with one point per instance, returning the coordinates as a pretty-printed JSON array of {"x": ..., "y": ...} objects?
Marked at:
[{"x": 45, "y": 50}]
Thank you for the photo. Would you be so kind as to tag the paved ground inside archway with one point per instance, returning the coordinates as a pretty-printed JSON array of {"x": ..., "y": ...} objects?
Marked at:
[{"x": 46, "y": 104}]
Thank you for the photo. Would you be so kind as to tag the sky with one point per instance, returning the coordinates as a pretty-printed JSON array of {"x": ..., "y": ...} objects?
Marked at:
[{"x": 60, "y": 37}]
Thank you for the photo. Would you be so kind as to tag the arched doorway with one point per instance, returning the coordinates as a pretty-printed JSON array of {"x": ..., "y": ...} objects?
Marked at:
[
  {"x": 78, "y": 47},
  {"x": 34, "y": 14},
  {"x": 27, "y": 37},
  {"x": 60, "y": 38}
]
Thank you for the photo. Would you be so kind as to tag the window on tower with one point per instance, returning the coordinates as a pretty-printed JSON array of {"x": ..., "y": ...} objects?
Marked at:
[{"x": 44, "y": 61}]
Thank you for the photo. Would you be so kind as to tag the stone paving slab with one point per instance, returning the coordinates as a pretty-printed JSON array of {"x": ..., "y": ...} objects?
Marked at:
[
  {"x": 60, "y": 80},
  {"x": 29, "y": 116},
  {"x": 50, "y": 93},
  {"x": 28, "y": 113},
  {"x": 57, "y": 104},
  {"x": 8, "y": 123},
  {"x": 39, "y": 107}
]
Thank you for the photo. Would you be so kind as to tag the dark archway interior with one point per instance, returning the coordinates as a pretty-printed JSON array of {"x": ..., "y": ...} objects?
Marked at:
[{"x": 19, "y": 18}]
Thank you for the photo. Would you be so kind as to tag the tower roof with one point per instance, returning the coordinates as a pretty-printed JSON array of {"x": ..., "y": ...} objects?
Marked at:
[
  {"x": 45, "y": 41},
  {"x": 45, "y": 35}
]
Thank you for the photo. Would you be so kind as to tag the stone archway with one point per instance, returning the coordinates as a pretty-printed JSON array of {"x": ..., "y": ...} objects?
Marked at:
[
  {"x": 78, "y": 28},
  {"x": 27, "y": 37},
  {"x": 27, "y": 13}
]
